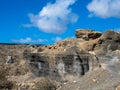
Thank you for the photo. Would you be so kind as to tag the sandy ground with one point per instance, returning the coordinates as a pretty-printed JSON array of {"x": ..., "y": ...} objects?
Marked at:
[{"x": 101, "y": 79}]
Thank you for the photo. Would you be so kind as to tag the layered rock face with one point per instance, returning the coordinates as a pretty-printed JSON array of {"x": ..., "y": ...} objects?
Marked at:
[
  {"x": 66, "y": 60},
  {"x": 87, "y": 34},
  {"x": 75, "y": 60},
  {"x": 45, "y": 59},
  {"x": 110, "y": 40},
  {"x": 47, "y": 63}
]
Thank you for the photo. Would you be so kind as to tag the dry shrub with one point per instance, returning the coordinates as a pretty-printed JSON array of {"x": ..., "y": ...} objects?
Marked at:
[
  {"x": 18, "y": 69},
  {"x": 4, "y": 83},
  {"x": 45, "y": 84}
]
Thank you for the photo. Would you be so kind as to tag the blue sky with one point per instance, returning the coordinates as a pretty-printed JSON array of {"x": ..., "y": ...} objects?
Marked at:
[{"x": 48, "y": 21}]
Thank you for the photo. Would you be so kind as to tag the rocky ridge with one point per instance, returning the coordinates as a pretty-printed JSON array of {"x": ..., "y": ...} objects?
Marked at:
[{"x": 88, "y": 45}]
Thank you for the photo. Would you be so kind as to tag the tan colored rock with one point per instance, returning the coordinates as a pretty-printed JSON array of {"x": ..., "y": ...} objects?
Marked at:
[
  {"x": 94, "y": 80},
  {"x": 118, "y": 87},
  {"x": 87, "y": 34}
]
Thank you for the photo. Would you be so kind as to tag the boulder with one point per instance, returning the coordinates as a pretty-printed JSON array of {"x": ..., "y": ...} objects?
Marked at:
[
  {"x": 111, "y": 35},
  {"x": 9, "y": 60},
  {"x": 110, "y": 41},
  {"x": 87, "y": 34}
]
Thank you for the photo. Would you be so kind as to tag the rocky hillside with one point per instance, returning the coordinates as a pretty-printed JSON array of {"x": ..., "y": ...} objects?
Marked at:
[{"x": 90, "y": 58}]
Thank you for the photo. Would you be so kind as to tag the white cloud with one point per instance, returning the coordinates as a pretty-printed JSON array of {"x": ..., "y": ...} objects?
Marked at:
[
  {"x": 104, "y": 8},
  {"x": 29, "y": 40},
  {"x": 57, "y": 39},
  {"x": 54, "y": 17}
]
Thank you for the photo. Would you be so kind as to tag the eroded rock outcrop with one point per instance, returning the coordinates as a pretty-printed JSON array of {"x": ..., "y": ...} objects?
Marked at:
[
  {"x": 109, "y": 41},
  {"x": 63, "y": 61},
  {"x": 87, "y": 34},
  {"x": 75, "y": 61}
]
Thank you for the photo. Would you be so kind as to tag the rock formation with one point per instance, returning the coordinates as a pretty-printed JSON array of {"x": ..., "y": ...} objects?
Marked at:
[
  {"x": 87, "y": 34},
  {"x": 73, "y": 60}
]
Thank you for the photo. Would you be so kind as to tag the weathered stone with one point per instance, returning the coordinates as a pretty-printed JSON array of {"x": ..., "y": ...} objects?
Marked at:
[
  {"x": 118, "y": 87},
  {"x": 111, "y": 35},
  {"x": 46, "y": 63},
  {"x": 87, "y": 34},
  {"x": 9, "y": 60},
  {"x": 111, "y": 40}
]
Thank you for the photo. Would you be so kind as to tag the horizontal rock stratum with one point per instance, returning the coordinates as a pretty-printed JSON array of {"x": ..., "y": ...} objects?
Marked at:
[
  {"x": 91, "y": 61},
  {"x": 87, "y": 34}
]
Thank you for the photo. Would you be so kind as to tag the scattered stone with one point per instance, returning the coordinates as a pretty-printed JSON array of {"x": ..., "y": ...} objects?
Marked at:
[
  {"x": 94, "y": 80},
  {"x": 9, "y": 60}
]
